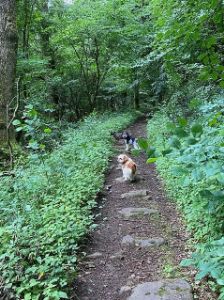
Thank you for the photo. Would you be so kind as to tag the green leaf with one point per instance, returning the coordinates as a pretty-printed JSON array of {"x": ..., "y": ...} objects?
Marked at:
[
  {"x": 63, "y": 295},
  {"x": 219, "y": 195},
  {"x": 42, "y": 146},
  {"x": 174, "y": 142},
  {"x": 171, "y": 126},
  {"x": 179, "y": 171},
  {"x": 212, "y": 168},
  {"x": 33, "y": 145},
  {"x": 204, "y": 270},
  {"x": 28, "y": 296},
  {"x": 194, "y": 103},
  {"x": 19, "y": 129},
  {"x": 221, "y": 84},
  {"x": 151, "y": 152},
  {"x": 151, "y": 160},
  {"x": 206, "y": 193},
  {"x": 191, "y": 141},
  {"x": 16, "y": 122},
  {"x": 166, "y": 151},
  {"x": 143, "y": 144},
  {"x": 197, "y": 129},
  {"x": 220, "y": 281},
  {"x": 47, "y": 130},
  {"x": 180, "y": 132},
  {"x": 182, "y": 122},
  {"x": 187, "y": 262},
  {"x": 220, "y": 178}
]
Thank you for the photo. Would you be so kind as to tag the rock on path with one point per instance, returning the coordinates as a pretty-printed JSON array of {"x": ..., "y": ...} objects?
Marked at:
[
  {"x": 170, "y": 289},
  {"x": 135, "y": 194},
  {"x": 128, "y": 240},
  {"x": 129, "y": 212}
]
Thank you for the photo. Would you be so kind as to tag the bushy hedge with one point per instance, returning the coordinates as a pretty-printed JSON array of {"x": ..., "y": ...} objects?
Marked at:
[
  {"x": 192, "y": 167},
  {"x": 46, "y": 210}
]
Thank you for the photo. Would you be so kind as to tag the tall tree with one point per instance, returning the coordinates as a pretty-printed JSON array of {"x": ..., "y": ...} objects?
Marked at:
[{"x": 8, "y": 47}]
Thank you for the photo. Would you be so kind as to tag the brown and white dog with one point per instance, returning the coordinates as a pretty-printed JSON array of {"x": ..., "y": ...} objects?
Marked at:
[{"x": 128, "y": 167}]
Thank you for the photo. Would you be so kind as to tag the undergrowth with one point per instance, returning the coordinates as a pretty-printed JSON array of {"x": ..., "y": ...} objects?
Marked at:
[
  {"x": 46, "y": 210},
  {"x": 190, "y": 160}
]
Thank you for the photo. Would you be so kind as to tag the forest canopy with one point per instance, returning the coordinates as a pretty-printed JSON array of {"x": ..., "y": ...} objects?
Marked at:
[{"x": 78, "y": 56}]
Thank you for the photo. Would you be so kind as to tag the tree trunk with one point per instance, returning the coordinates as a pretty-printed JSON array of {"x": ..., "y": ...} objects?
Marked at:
[
  {"x": 136, "y": 90},
  {"x": 136, "y": 97},
  {"x": 8, "y": 47}
]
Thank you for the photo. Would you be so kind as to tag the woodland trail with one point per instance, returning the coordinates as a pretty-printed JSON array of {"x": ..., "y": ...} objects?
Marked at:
[{"x": 139, "y": 239}]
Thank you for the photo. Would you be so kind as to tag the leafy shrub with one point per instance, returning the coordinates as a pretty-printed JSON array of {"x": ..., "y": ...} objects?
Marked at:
[
  {"x": 39, "y": 133},
  {"x": 46, "y": 210},
  {"x": 192, "y": 167}
]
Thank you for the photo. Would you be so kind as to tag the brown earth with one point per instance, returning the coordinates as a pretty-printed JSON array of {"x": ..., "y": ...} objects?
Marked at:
[{"x": 115, "y": 265}]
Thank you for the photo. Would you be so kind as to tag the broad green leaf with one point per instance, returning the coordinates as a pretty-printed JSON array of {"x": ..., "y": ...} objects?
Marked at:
[
  {"x": 180, "y": 132},
  {"x": 151, "y": 160},
  {"x": 166, "y": 151},
  {"x": 16, "y": 122},
  {"x": 47, "y": 130},
  {"x": 174, "y": 142},
  {"x": 63, "y": 295},
  {"x": 191, "y": 141},
  {"x": 143, "y": 144},
  {"x": 182, "y": 122},
  {"x": 197, "y": 129},
  {"x": 186, "y": 262},
  {"x": 19, "y": 129}
]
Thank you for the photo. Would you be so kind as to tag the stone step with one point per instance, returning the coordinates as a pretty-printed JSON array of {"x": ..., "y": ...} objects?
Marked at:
[
  {"x": 169, "y": 289},
  {"x": 129, "y": 212},
  {"x": 94, "y": 255},
  {"x": 136, "y": 194},
  {"x": 137, "y": 178},
  {"x": 128, "y": 240}
]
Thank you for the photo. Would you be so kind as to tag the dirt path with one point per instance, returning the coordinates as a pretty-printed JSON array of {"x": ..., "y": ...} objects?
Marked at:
[{"x": 125, "y": 251}]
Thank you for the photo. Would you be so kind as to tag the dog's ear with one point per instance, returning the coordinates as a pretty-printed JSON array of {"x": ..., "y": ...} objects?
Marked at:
[{"x": 125, "y": 158}]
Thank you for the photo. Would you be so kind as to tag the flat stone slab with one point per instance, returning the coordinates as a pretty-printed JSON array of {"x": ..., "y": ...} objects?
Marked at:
[
  {"x": 145, "y": 243},
  {"x": 94, "y": 255},
  {"x": 128, "y": 240},
  {"x": 135, "y": 194},
  {"x": 129, "y": 212},
  {"x": 170, "y": 289}
]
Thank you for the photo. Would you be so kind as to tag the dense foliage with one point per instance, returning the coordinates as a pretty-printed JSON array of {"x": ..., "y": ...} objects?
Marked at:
[
  {"x": 187, "y": 133},
  {"x": 88, "y": 56},
  {"x": 46, "y": 209},
  {"x": 75, "y": 58},
  {"x": 191, "y": 161}
]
